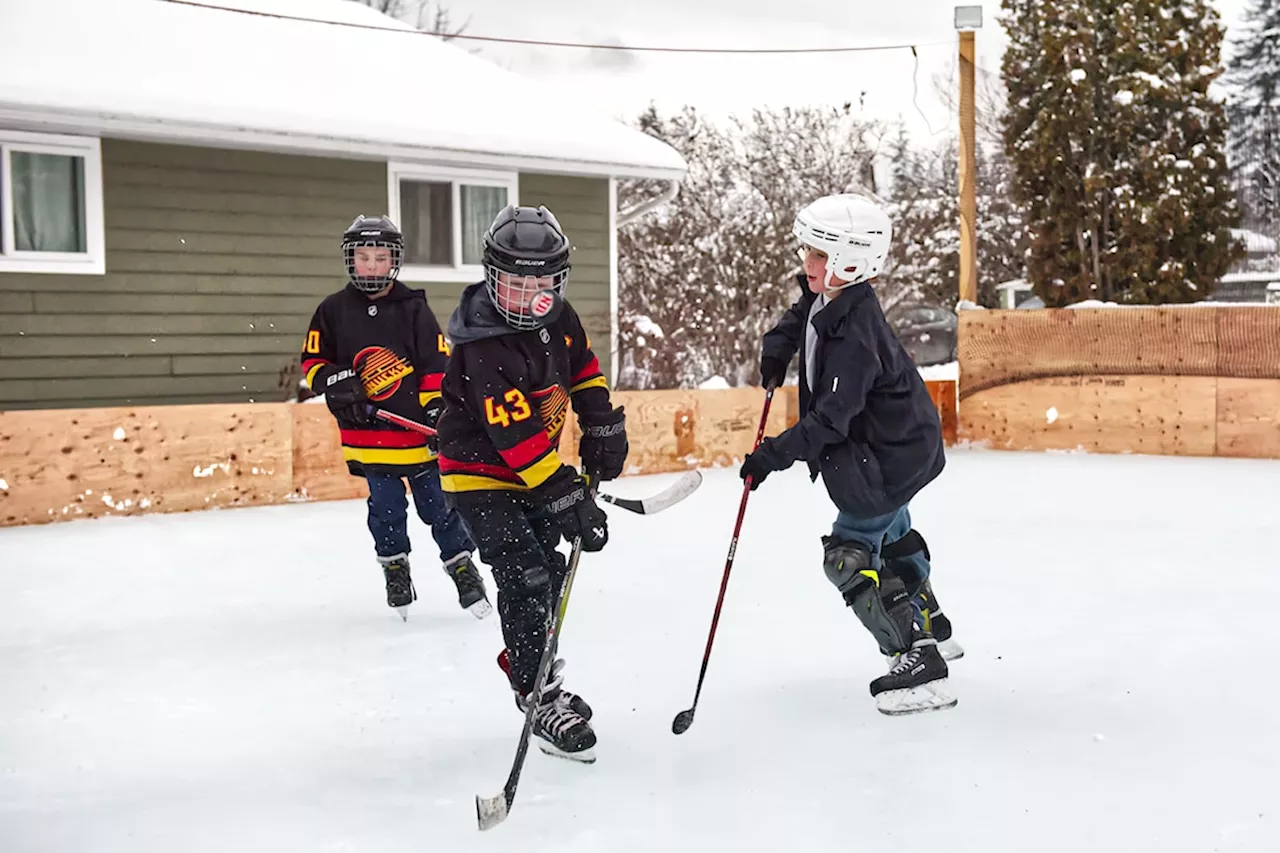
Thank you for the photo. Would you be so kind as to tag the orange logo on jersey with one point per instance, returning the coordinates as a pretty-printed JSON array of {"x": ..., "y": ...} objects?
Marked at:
[
  {"x": 553, "y": 406},
  {"x": 381, "y": 371}
]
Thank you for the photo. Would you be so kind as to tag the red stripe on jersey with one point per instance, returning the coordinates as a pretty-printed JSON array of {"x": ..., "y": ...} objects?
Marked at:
[
  {"x": 430, "y": 381},
  {"x": 528, "y": 451},
  {"x": 312, "y": 362},
  {"x": 382, "y": 438},
  {"x": 592, "y": 368},
  {"x": 497, "y": 472}
]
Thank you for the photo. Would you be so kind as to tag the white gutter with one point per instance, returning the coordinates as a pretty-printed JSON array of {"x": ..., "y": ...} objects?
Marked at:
[{"x": 653, "y": 204}]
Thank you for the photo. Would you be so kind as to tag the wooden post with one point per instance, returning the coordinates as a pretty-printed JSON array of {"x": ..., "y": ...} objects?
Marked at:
[{"x": 968, "y": 174}]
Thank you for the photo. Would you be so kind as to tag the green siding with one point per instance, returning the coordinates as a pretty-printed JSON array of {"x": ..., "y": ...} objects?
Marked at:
[{"x": 215, "y": 261}]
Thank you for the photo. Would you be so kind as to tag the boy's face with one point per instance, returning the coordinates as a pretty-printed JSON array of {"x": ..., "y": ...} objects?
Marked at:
[
  {"x": 515, "y": 292},
  {"x": 372, "y": 261},
  {"x": 815, "y": 271}
]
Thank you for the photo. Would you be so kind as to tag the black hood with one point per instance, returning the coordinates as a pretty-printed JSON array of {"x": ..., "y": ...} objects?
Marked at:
[{"x": 475, "y": 318}]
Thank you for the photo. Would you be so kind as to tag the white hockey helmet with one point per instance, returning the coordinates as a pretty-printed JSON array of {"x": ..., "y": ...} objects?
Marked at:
[{"x": 854, "y": 232}]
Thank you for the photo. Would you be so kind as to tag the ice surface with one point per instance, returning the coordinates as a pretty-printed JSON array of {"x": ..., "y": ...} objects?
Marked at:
[{"x": 233, "y": 680}]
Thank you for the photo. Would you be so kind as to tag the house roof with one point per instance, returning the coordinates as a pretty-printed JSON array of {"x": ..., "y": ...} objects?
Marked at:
[
  {"x": 1254, "y": 243},
  {"x": 152, "y": 69}
]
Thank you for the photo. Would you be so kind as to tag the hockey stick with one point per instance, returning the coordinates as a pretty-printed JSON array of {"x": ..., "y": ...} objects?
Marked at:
[
  {"x": 491, "y": 811},
  {"x": 684, "y": 719},
  {"x": 665, "y": 499}
]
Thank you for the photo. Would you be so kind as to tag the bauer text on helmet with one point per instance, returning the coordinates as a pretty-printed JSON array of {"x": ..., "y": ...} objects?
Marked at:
[
  {"x": 526, "y": 264},
  {"x": 853, "y": 233}
]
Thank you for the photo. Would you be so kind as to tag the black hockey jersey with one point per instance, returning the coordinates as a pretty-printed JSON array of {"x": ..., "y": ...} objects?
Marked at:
[
  {"x": 507, "y": 394},
  {"x": 395, "y": 346}
]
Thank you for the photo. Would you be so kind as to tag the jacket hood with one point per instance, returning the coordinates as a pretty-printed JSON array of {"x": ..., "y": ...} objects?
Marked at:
[{"x": 476, "y": 318}]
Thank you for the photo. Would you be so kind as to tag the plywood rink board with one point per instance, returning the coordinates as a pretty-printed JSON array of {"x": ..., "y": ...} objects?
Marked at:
[
  {"x": 319, "y": 471},
  {"x": 1172, "y": 415},
  {"x": 1249, "y": 418},
  {"x": 86, "y": 463}
]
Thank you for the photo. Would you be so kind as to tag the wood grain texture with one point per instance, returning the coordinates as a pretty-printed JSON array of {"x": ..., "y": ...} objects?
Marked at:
[
  {"x": 59, "y": 464},
  {"x": 1174, "y": 415}
]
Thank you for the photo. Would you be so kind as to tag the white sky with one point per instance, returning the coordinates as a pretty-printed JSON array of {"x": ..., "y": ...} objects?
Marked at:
[{"x": 623, "y": 83}]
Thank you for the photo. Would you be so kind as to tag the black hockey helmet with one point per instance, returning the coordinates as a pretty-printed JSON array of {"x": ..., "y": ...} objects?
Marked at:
[
  {"x": 376, "y": 232},
  {"x": 526, "y": 265}
]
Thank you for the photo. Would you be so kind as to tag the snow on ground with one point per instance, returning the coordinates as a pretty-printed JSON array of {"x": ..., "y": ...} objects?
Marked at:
[{"x": 233, "y": 680}]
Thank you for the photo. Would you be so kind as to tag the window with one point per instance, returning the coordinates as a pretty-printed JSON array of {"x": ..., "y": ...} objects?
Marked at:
[
  {"x": 444, "y": 214},
  {"x": 50, "y": 204}
]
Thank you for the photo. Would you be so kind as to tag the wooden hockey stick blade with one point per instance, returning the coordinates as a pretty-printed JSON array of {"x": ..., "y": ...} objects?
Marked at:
[
  {"x": 491, "y": 811},
  {"x": 665, "y": 499}
]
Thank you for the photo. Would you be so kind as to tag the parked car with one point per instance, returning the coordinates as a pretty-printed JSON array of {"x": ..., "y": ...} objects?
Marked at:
[{"x": 928, "y": 332}]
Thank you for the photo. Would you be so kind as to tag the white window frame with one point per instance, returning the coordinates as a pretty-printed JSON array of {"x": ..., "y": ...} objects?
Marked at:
[
  {"x": 455, "y": 177},
  {"x": 90, "y": 262}
]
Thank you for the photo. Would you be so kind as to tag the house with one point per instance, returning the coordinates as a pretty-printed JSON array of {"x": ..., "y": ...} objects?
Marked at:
[
  {"x": 175, "y": 185},
  {"x": 1015, "y": 292},
  {"x": 1250, "y": 278}
]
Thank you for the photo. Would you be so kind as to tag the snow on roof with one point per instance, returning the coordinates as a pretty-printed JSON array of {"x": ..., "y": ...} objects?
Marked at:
[
  {"x": 152, "y": 69},
  {"x": 1254, "y": 243},
  {"x": 1014, "y": 284}
]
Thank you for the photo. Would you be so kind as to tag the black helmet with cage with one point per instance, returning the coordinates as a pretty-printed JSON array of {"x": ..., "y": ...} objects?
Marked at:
[
  {"x": 372, "y": 232},
  {"x": 526, "y": 265}
]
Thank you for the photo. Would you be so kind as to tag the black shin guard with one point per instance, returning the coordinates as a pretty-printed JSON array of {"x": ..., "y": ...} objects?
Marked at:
[{"x": 879, "y": 599}]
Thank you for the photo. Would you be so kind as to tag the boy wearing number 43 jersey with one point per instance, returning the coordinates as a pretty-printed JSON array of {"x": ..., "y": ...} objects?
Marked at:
[
  {"x": 376, "y": 343},
  {"x": 520, "y": 359}
]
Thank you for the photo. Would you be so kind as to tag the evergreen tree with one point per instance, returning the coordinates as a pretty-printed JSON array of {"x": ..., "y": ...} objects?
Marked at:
[
  {"x": 1254, "y": 114},
  {"x": 1117, "y": 148}
]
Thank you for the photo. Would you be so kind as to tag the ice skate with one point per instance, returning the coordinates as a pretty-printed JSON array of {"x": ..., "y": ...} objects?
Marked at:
[
  {"x": 466, "y": 577},
  {"x": 400, "y": 591},
  {"x": 916, "y": 682},
  {"x": 576, "y": 702}
]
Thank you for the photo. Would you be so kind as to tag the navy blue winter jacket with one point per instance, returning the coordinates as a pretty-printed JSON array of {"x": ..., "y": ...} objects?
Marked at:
[{"x": 869, "y": 425}]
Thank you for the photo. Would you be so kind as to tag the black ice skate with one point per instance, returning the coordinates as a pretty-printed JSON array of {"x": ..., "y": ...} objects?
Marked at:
[
  {"x": 400, "y": 591},
  {"x": 576, "y": 702},
  {"x": 471, "y": 594},
  {"x": 916, "y": 682},
  {"x": 938, "y": 625}
]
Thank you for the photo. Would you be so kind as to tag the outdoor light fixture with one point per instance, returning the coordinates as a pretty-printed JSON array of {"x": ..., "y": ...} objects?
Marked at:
[{"x": 968, "y": 17}]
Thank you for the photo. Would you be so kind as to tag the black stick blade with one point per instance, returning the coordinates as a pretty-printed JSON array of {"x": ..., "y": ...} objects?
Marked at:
[{"x": 681, "y": 723}]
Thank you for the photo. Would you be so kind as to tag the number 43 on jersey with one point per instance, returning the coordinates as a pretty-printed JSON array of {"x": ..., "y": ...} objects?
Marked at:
[{"x": 496, "y": 413}]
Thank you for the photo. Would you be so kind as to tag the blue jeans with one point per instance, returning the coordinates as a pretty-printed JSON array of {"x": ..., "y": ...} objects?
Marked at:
[
  {"x": 874, "y": 532},
  {"x": 389, "y": 519}
]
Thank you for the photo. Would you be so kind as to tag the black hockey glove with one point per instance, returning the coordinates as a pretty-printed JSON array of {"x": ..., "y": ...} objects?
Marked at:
[
  {"x": 344, "y": 395},
  {"x": 603, "y": 446},
  {"x": 773, "y": 371},
  {"x": 570, "y": 501},
  {"x": 431, "y": 417},
  {"x": 762, "y": 462}
]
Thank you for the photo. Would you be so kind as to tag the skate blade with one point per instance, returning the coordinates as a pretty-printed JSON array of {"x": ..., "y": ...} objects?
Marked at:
[
  {"x": 586, "y": 756},
  {"x": 480, "y": 609},
  {"x": 916, "y": 700},
  {"x": 491, "y": 811},
  {"x": 950, "y": 649},
  {"x": 403, "y": 610}
]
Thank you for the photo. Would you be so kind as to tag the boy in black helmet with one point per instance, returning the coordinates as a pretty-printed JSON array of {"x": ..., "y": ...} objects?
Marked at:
[
  {"x": 520, "y": 359},
  {"x": 376, "y": 343}
]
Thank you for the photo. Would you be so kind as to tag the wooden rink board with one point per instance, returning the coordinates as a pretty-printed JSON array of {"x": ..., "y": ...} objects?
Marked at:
[
  {"x": 1184, "y": 380},
  {"x": 59, "y": 464},
  {"x": 84, "y": 463}
]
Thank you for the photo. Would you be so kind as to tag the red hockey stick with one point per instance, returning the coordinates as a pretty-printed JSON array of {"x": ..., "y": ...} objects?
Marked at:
[{"x": 685, "y": 718}]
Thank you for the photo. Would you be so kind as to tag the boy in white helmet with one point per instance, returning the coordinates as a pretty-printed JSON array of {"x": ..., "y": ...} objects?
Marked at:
[{"x": 870, "y": 428}]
